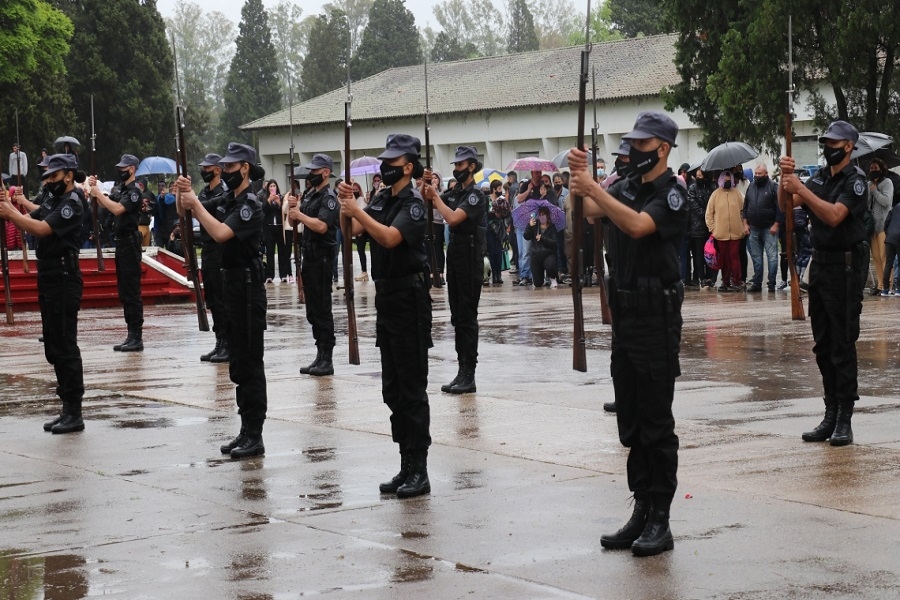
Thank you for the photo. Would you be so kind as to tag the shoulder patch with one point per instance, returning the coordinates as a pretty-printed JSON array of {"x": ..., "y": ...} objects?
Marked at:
[
  {"x": 676, "y": 200},
  {"x": 473, "y": 199},
  {"x": 332, "y": 204},
  {"x": 246, "y": 213},
  {"x": 859, "y": 188},
  {"x": 416, "y": 212},
  {"x": 134, "y": 197},
  {"x": 67, "y": 212}
]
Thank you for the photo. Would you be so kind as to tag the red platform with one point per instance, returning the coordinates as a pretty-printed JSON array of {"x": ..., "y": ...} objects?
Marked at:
[{"x": 163, "y": 280}]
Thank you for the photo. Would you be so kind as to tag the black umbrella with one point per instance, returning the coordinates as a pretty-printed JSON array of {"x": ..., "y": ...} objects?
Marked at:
[
  {"x": 66, "y": 139},
  {"x": 870, "y": 142},
  {"x": 727, "y": 155}
]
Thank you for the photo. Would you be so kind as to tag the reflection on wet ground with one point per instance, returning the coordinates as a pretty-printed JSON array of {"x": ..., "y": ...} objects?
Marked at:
[{"x": 526, "y": 473}]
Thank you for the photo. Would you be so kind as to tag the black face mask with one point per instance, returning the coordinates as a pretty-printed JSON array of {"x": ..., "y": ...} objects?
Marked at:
[
  {"x": 315, "y": 180},
  {"x": 461, "y": 176},
  {"x": 875, "y": 175},
  {"x": 644, "y": 162},
  {"x": 390, "y": 175},
  {"x": 124, "y": 175},
  {"x": 762, "y": 180},
  {"x": 56, "y": 188},
  {"x": 834, "y": 156},
  {"x": 727, "y": 184},
  {"x": 207, "y": 176},
  {"x": 233, "y": 179},
  {"x": 557, "y": 187}
]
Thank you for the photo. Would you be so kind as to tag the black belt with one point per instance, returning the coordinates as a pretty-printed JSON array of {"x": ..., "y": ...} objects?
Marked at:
[
  {"x": 66, "y": 261},
  {"x": 126, "y": 236},
  {"x": 833, "y": 257},
  {"x": 254, "y": 272},
  {"x": 649, "y": 300},
  {"x": 397, "y": 284}
]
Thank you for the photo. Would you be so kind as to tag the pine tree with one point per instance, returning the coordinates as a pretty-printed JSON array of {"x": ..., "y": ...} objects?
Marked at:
[
  {"x": 389, "y": 40},
  {"x": 325, "y": 64},
  {"x": 522, "y": 36},
  {"x": 120, "y": 54},
  {"x": 252, "y": 89}
]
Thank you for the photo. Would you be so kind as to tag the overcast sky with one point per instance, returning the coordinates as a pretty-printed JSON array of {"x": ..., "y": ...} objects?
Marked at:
[{"x": 422, "y": 9}]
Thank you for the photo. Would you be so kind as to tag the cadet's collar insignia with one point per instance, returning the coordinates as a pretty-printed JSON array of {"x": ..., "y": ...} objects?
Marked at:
[
  {"x": 220, "y": 208},
  {"x": 246, "y": 212},
  {"x": 378, "y": 206},
  {"x": 331, "y": 204},
  {"x": 627, "y": 195},
  {"x": 67, "y": 212},
  {"x": 675, "y": 199},
  {"x": 135, "y": 197},
  {"x": 473, "y": 199},
  {"x": 859, "y": 188},
  {"x": 48, "y": 205},
  {"x": 416, "y": 212}
]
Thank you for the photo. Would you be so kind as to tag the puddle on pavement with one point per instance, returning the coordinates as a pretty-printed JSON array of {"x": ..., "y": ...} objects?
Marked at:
[
  {"x": 254, "y": 488},
  {"x": 317, "y": 455},
  {"x": 468, "y": 480},
  {"x": 54, "y": 577},
  {"x": 415, "y": 568},
  {"x": 246, "y": 566}
]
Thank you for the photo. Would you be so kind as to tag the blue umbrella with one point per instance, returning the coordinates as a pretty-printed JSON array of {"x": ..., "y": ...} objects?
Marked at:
[{"x": 156, "y": 165}]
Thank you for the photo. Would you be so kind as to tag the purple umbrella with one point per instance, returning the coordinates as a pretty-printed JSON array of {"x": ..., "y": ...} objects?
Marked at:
[
  {"x": 364, "y": 165},
  {"x": 532, "y": 163},
  {"x": 522, "y": 214}
]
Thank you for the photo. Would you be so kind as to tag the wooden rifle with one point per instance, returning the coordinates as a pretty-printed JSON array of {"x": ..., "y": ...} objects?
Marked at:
[
  {"x": 599, "y": 262},
  {"x": 25, "y": 268},
  {"x": 579, "y": 352},
  {"x": 187, "y": 222},
  {"x": 347, "y": 231},
  {"x": 298, "y": 259},
  {"x": 797, "y": 313},
  {"x": 429, "y": 205},
  {"x": 95, "y": 206},
  {"x": 4, "y": 260}
]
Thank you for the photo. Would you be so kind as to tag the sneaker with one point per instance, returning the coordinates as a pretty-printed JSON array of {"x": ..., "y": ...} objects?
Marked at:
[
  {"x": 885, "y": 293},
  {"x": 268, "y": 280},
  {"x": 553, "y": 285},
  {"x": 804, "y": 286},
  {"x": 276, "y": 280},
  {"x": 524, "y": 281},
  {"x": 782, "y": 285},
  {"x": 875, "y": 292},
  {"x": 754, "y": 287},
  {"x": 724, "y": 288},
  {"x": 291, "y": 279},
  {"x": 771, "y": 287}
]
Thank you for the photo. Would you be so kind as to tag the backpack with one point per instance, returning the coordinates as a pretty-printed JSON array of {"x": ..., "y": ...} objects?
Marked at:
[{"x": 711, "y": 254}]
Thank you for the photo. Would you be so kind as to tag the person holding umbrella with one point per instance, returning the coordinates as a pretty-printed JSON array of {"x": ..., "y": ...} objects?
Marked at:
[
  {"x": 125, "y": 205},
  {"x": 647, "y": 216},
  {"x": 464, "y": 208}
]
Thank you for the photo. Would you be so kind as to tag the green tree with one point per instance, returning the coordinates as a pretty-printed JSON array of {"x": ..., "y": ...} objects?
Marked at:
[
  {"x": 357, "y": 12},
  {"x": 289, "y": 35},
  {"x": 476, "y": 27},
  {"x": 389, "y": 40},
  {"x": 734, "y": 69},
  {"x": 601, "y": 27},
  {"x": 633, "y": 18},
  {"x": 521, "y": 35},
  {"x": 33, "y": 46},
  {"x": 325, "y": 64},
  {"x": 447, "y": 49},
  {"x": 120, "y": 54},
  {"x": 555, "y": 21},
  {"x": 252, "y": 89}
]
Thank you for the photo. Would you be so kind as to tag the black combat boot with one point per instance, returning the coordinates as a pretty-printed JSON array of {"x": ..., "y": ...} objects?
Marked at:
[
  {"x": 227, "y": 448},
  {"x": 71, "y": 420},
  {"x": 417, "y": 483},
  {"x": 466, "y": 385},
  {"x": 313, "y": 364},
  {"x": 222, "y": 356},
  {"x": 623, "y": 538},
  {"x": 390, "y": 487},
  {"x": 459, "y": 375},
  {"x": 252, "y": 444},
  {"x": 325, "y": 366},
  {"x": 656, "y": 537},
  {"x": 135, "y": 345},
  {"x": 824, "y": 429},
  {"x": 843, "y": 433},
  {"x": 609, "y": 406},
  {"x": 214, "y": 351},
  {"x": 49, "y": 424},
  {"x": 128, "y": 340}
]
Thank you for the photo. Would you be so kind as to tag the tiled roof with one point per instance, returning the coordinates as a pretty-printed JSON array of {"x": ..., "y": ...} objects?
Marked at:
[{"x": 625, "y": 69}]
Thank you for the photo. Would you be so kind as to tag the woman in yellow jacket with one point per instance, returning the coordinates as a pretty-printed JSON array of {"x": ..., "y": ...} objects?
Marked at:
[{"x": 723, "y": 219}]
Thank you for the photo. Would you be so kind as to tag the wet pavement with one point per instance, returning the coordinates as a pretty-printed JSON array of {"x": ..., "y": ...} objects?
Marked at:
[{"x": 526, "y": 474}]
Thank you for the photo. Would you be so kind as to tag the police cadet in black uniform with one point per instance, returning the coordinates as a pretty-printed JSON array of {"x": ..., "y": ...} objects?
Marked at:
[
  {"x": 835, "y": 199},
  {"x": 464, "y": 208},
  {"x": 319, "y": 215},
  {"x": 211, "y": 196},
  {"x": 125, "y": 204},
  {"x": 647, "y": 218},
  {"x": 395, "y": 221},
  {"x": 56, "y": 223},
  {"x": 237, "y": 227}
]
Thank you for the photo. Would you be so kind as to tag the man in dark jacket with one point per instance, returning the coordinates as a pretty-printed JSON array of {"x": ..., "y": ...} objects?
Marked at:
[
  {"x": 698, "y": 195},
  {"x": 761, "y": 226}
]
